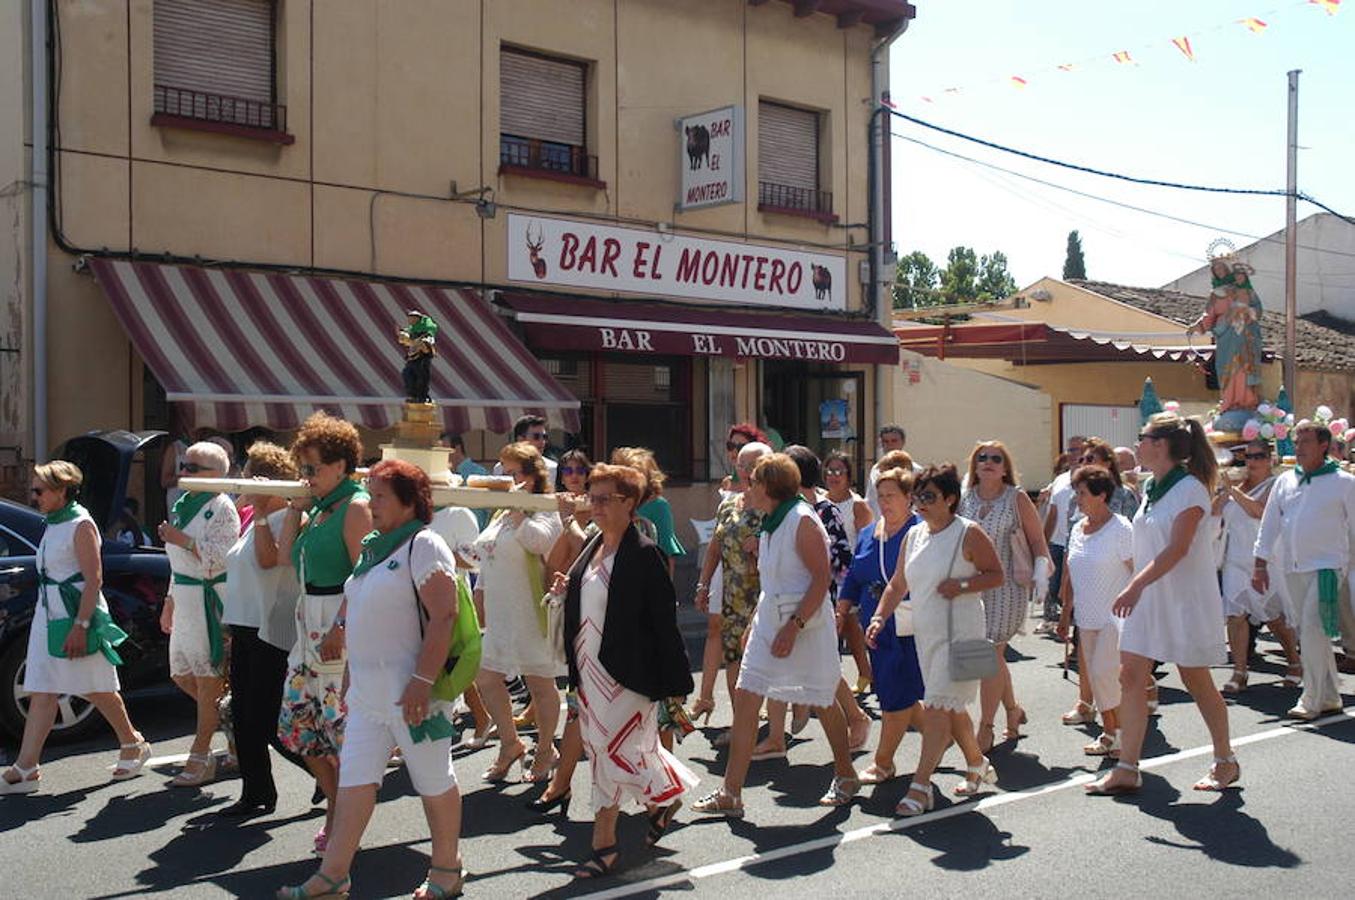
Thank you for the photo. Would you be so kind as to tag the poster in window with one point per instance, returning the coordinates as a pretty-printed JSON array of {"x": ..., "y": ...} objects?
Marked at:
[{"x": 835, "y": 420}]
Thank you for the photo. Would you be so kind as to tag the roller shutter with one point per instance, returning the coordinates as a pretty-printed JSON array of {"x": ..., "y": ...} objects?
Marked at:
[
  {"x": 215, "y": 46},
  {"x": 788, "y": 146},
  {"x": 541, "y": 99}
]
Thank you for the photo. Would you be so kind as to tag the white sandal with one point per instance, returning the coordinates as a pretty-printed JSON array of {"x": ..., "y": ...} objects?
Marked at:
[
  {"x": 975, "y": 778},
  {"x": 28, "y": 781},
  {"x": 908, "y": 807},
  {"x": 205, "y": 775},
  {"x": 1212, "y": 782},
  {"x": 1081, "y": 714},
  {"x": 1235, "y": 685},
  {"x": 1105, "y": 745},
  {"x": 841, "y": 791},
  {"x": 130, "y": 768},
  {"x": 1101, "y": 787}
]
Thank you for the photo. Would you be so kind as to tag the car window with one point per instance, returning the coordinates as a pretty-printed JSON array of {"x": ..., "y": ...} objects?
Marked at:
[{"x": 101, "y": 465}]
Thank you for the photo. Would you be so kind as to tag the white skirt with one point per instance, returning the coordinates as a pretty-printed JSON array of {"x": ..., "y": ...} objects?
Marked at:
[
  {"x": 1240, "y": 600},
  {"x": 45, "y": 674},
  {"x": 190, "y": 647},
  {"x": 808, "y": 676}
]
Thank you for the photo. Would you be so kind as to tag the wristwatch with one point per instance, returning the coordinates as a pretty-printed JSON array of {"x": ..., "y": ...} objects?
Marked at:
[
  {"x": 340, "y": 623},
  {"x": 83, "y": 623},
  {"x": 798, "y": 620},
  {"x": 964, "y": 585}
]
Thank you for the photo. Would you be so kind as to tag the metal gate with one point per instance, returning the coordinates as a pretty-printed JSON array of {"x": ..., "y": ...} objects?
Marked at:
[{"x": 1116, "y": 425}]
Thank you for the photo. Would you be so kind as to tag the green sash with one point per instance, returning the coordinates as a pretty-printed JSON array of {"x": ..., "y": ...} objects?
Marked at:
[
  {"x": 70, "y": 511},
  {"x": 212, "y": 607},
  {"x": 775, "y": 518},
  {"x": 189, "y": 504},
  {"x": 103, "y": 634},
  {"x": 1154, "y": 490},
  {"x": 1325, "y": 469},
  {"x": 378, "y": 545}
]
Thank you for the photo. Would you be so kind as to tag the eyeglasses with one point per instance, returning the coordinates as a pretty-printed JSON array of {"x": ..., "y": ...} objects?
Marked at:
[
  {"x": 925, "y": 498},
  {"x": 573, "y": 470},
  {"x": 1257, "y": 455},
  {"x": 307, "y": 470},
  {"x": 536, "y": 436},
  {"x": 1090, "y": 459},
  {"x": 191, "y": 468},
  {"x": 989, "y": 457},
  {"x": 835, "y": 471},
  {"x": 603, "y": 499},
  {"x": 733, "y": 446}
]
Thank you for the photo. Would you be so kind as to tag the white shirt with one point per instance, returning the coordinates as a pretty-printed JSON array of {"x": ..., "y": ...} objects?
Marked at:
[
  {"x": 1097, "y": 564},
  {"x": 1060, "y": 492},
  {"x": 1316, "y": 522},
  {"x": 458, "y": 526},
  {"x": 255, "y": 597}
]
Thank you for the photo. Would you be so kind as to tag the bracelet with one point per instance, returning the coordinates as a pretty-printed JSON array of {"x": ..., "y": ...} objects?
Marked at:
[
  {"x": 417, "y": 677},
  {"x": 261, "y": 522},
  {"x": 877, "y": 619},
  {"x": 702, "y": 587}
]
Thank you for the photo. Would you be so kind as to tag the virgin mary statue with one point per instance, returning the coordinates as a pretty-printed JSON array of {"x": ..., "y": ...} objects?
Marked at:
[{"x": 1233, "y": 315}]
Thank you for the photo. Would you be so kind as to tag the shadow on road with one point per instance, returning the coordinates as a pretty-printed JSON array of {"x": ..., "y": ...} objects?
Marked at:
[{"x": 1220, "y": 830}]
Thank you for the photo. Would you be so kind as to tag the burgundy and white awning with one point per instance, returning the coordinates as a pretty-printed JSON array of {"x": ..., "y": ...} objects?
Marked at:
[{"x": 236, "y": 348}]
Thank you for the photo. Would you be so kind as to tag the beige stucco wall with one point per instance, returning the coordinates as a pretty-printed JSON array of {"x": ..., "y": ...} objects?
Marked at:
[
  {"x": 15, "y": 197},
  {"x": 1070, "y": 306}
]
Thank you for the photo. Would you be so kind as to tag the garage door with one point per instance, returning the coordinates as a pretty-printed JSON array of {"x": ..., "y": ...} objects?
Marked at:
[{"x": 1117, "y": 425}]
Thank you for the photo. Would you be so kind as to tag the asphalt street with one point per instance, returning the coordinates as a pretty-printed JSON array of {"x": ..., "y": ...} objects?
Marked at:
[{"x": 1036, "y": 835}]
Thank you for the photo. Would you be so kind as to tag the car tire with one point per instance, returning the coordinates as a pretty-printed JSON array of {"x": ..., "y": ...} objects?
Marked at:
[{"x": 77, "y": 718}]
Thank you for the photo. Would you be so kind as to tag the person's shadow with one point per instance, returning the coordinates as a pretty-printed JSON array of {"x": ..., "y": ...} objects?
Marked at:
[
  {"x": 1220, "y": 830},
  {"x": 965, "y": 843}
]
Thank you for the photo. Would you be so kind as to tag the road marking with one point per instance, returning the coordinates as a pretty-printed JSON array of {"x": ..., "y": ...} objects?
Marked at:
[{"x": 990, "y": 802}]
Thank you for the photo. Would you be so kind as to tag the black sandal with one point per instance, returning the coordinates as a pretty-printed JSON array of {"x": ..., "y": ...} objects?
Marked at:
[
  {"x": 659, "y": 820},
  {"x": 597, "y": 865}
]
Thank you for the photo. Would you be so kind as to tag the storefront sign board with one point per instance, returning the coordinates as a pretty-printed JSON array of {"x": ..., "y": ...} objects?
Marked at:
[{"x": 710, "y": 158}]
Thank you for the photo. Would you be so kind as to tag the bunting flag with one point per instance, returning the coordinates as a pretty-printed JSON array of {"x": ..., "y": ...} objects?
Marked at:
[
  {"x": 1183, "y": 44},
  {"x": 1067, "y": 67},
  {"x": 1254, "y": 24},
  {"x": 1018, "y": 81},
  {"x": 1330, "y": 6},
  {"x": 1122, "y": 57}
]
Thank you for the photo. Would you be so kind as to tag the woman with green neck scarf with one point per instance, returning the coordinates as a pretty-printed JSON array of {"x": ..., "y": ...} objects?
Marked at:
[
  {"x": 791, "y": 652},
  {"x": 322, "y": 535},
  {"x": 402, "y": 606},
  {"x": 69, "y": 599},
  {"x": 202, "y": 529},
  {"x": 1172, "y": 608}
]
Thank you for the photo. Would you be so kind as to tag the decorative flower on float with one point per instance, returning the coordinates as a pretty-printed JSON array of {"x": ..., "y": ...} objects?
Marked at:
[{"x": 1270, "y": 422}]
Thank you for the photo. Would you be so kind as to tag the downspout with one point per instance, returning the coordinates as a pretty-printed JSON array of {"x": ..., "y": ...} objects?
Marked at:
[
  {"x": 38, "y": 65},
  {"x": 878, "y": 300}
]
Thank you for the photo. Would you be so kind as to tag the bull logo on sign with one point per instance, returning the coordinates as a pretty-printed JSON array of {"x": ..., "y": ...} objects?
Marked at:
[
  {"x": 698, "y": 145},
  {"x": 823, "y": 282},
  {"x": 534, "y": 250}
]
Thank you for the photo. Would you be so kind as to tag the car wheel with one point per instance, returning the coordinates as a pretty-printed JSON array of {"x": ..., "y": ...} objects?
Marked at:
[{"x": 76, "y": 717}]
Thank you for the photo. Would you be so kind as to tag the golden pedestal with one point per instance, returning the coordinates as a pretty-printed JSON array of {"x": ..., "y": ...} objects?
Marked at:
[{"x": 416, "y": 439}]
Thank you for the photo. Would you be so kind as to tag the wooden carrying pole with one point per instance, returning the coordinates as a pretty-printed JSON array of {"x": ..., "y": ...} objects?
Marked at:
[{"x": 443, "y": 495}]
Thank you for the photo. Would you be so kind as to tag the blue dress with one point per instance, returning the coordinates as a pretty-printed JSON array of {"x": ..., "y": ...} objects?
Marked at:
[{"x": 898, "y": 677}]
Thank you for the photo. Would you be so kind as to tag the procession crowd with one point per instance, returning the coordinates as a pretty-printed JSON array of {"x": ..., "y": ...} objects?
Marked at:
[{"x": 361, "y": 626}]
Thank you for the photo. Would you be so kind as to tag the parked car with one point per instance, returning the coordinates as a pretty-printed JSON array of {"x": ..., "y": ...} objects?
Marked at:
[{"x": 135, "y": 575}]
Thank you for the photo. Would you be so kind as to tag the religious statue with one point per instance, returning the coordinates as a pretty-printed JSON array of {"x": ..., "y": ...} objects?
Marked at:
[
  {"x": 418, "y": 340},
  {"x": 1233, "y": 315}
]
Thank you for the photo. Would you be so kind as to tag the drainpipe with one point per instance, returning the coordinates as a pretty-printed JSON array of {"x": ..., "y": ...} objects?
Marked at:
[
  {"x": 38, "y": 62},
  {"x": 878, "y": 298}
]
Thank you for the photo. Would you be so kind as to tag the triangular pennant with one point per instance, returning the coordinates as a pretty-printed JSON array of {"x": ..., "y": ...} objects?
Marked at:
[
  {"x": 1018, "y": 81},
  {"x": 1329, "y": 6},
  {"x": 1067, "y": 67},
  {"x": 1122, "y": 57},
  {"x": 1183, "y": 44},
  {"x": 1253, "y": 24}
]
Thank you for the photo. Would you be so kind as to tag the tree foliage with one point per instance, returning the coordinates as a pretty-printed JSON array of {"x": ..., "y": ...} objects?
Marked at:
[
  {"x": 916, "y": 281},
  {"x": 1074, "y": 265},
  {"x": 966, "y": 278}
]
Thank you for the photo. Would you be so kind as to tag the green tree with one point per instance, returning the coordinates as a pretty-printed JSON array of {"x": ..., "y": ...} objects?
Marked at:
[
  {"x": 959, "y": 282},
  {"x": 995, "y": 282},
  {"x": 1074, "y": 266},
  {"x": 915, "y": 281}
]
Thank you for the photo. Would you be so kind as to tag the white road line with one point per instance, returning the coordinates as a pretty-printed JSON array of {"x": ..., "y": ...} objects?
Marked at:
[{"x": 990, "y": 802}]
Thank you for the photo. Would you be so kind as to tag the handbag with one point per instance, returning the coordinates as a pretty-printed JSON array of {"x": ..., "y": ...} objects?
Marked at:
[
  {"x": 463, "y": 653},
  {"x": 1023, "y": 560},
  {"x": 554, "y": 605},
  {"x": 787, "y": 605},
  {"x": 971, "y": 659},
  {"x": 903, "y": 613}
]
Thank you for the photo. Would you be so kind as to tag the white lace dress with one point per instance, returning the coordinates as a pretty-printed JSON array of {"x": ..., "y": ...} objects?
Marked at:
[
  {"x": 215, "y": 529},
  {"x": 930, "y": 559},
  {"x": 45, "y": 674},
  {"x": 514, "y": 642}
]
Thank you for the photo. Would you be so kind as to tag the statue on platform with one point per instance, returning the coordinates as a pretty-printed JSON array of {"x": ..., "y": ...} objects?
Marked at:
[
  {"x": 418, "y": 339},
  {"x": 1233, "y": 315}
]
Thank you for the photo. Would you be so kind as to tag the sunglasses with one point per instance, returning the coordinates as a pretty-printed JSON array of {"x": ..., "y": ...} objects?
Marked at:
[
  {"x": 835, "y": 471},
  {"x": 191, "y": 468},
  {"x": 732, "y": 446},
  {"x": 307, "y": 470},
  {"x": 603, "y": 499},
  {"x": 1257, "y": 455},
  {"x": 925, "y": 498},
  {"x": 573, "y": 470},
  {"x": 989, "y": 457},
  {"x": 537, "y": 436}
]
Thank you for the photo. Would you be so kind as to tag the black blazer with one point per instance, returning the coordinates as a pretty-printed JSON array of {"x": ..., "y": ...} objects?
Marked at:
[{"x": 641, "y": 645}]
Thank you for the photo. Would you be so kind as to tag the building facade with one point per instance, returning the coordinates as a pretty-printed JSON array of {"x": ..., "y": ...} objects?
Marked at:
[{"x": 665, "y": 207}]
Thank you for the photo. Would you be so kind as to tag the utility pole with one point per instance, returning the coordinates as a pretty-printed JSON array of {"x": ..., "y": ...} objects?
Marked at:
[{"x": 1291, "y": 251}]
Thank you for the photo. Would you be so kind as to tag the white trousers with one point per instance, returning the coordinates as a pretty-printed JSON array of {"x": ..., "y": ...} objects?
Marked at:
[{"x": 1321, "y": 690}]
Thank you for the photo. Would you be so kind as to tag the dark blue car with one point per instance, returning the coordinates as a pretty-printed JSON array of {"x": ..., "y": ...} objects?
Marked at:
[{"x": 135, "y": 574}]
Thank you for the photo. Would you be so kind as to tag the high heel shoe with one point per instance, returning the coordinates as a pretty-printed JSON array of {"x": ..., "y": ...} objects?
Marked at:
[
  {"x": 130, "y": 768},
  {"x": 1016, "y": 717},
  {"x": 542, "y": 806},
  {"x": 702, "y": 707},
  {"x": 975, "y": 779},
  {"x": 498, "y": 773},
  {"x": 334, "y": 889},
  {"x": 205, "y": 775},
  {"x": 536, "y": 775},
  {"x": 984, "y": 736}
]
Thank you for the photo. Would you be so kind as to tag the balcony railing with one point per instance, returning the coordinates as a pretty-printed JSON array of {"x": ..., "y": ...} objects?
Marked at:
[
  {"x": 200, "y": 106},
  {"x": 545, "y": 156},
  {"x": 794, "y": 199}
]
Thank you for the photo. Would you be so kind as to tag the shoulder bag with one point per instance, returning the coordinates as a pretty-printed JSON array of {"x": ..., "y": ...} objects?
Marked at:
[
  {"x": 903, "y": 613},
  {"x": 463, "y": 653},
  {"x": 971, "y": 659},
  {"x": 1023, "y": 560}
]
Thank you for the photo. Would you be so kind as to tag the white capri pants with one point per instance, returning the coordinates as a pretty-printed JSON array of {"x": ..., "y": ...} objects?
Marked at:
[
  {"x": 1100, "y": 659},
  {"x": 367, "y": 744}
]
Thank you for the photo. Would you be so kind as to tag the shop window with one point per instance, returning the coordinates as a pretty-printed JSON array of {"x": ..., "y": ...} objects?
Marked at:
[
  {"x": 542, "y": 116},
  {"x": 819, "y": 408},
  {"x": 788, "y": 161},
  {"x": 215, "y": 66}
]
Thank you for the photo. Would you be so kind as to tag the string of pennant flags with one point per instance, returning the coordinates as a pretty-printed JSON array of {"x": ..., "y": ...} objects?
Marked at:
[{"x": 1183, "y": 43}]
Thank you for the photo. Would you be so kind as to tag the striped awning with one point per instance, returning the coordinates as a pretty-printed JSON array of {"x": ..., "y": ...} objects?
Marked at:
[{"x": 235, "y": 348}]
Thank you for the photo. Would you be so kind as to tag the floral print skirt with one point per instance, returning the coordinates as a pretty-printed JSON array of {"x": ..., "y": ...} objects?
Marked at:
[{"x": 312, "y": 717}]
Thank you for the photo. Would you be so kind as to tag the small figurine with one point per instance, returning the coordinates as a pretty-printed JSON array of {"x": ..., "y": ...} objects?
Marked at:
[{"x": 418, "y": 338}]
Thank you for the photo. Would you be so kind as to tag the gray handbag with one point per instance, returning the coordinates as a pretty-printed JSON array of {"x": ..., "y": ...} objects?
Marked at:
[{"x": 971, "y": 659}]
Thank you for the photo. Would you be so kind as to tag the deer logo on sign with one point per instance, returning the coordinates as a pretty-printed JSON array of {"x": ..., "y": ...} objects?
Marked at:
[{"x": 534, "y": 250}]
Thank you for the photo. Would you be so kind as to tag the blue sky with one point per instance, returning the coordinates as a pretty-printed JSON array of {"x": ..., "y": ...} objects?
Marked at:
[{"x": 1217, "y": 121}]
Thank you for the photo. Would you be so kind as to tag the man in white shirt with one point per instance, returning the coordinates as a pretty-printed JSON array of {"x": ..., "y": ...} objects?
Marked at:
[
  {"x": 892, "y": 437},
  {"x": 1310, "y": 524},
  {"x": 532, "y": 429},
  {"x": 1060, "y": 496}
]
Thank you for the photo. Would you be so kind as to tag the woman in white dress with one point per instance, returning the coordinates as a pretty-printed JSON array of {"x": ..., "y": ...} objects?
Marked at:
[
  {"x": 625, "y": 656},
  {"x": 791, "y": 652},
  {"x": 1239, "y": 506},
  {"x": 1172, "y": 608},
  {"x": 401, "y": 605},
  {"x": 512, "y": 583},
  {"x": 1099, "y": 564},
  {"x": 947, "y": 565},
  {"x": 202, "y": 530},
  {"x": 70, "y": 576}
]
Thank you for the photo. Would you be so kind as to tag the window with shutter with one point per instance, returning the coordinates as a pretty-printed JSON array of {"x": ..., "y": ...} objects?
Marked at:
[
  {"x": 788, "y": 159},
  {"x": 542, "y": 114},
  {"x": 214, "y": 62}
]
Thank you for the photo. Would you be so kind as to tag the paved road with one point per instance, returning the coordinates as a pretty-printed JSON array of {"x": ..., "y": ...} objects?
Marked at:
[{"x": 1036, "y": 836}]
